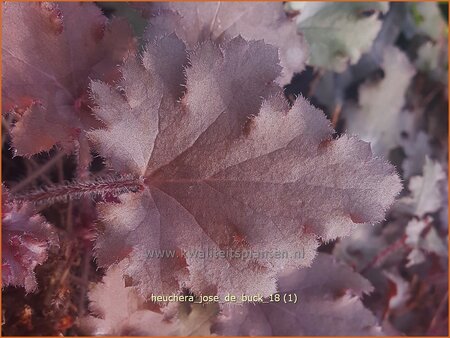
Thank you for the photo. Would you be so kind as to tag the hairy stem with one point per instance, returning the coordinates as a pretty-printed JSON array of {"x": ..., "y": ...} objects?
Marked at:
[{"x": 102, "y": 187}]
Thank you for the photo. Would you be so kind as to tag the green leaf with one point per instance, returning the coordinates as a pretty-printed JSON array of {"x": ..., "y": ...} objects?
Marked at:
[{"x": 338, "y": 33}]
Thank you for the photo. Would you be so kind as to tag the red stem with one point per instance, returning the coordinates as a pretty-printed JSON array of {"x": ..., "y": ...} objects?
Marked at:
[{"x": 99, "y": 187}]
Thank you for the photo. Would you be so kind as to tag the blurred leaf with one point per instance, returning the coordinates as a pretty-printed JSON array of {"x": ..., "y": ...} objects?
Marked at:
[{"x": 338, "y": 33}]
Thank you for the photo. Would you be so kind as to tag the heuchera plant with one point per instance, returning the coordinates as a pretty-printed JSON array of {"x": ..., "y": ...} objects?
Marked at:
[
  {"x": 204, "y": 152},
  {"x": 45, "y": 79},
  {"x": 223, "y": 157},
  {"x": 26, "y": 239}
]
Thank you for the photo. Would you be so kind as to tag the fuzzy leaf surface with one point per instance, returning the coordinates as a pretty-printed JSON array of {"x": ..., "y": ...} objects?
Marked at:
[
  {"x": 26, "y": 239},
  {"x": 227, "y": 165},
  {"x": 120, "y": 310},
  {"x": 48, "y": 58},
  {"x": 196, "y": 22},
  {"x": 326, "y": 306}
]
